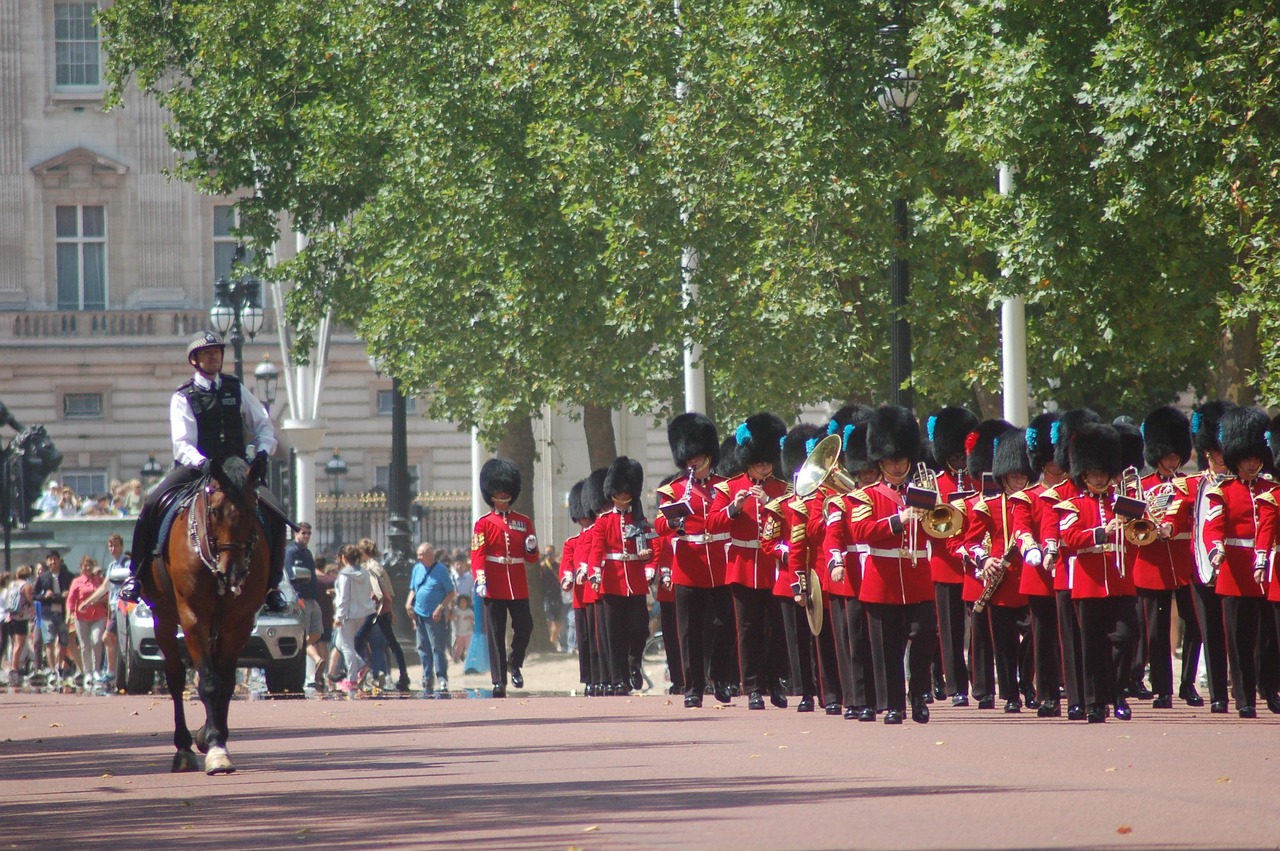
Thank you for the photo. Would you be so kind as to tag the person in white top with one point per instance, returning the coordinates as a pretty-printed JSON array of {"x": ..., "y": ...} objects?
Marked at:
[
  {"x": 353, "y": 603},
  {"x": 212, "y": 417}
]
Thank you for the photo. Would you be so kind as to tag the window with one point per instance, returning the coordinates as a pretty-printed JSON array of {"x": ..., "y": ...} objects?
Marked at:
[
  {"x": 225, "y": 220},
  {"x": 382, "y": 478},
  {"x": 86, "y": 483},
  {"x": 82, "y": 406},
  {"x": 384, "y": 404},
  {"x": 82, "y": 257},
  {"x": 77, "y": 58}
]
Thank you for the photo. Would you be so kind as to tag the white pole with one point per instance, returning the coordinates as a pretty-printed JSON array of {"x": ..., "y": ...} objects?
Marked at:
[
  {"x": 1013, "y": 339},
  {"x": 478, "y": 506},
  {"x": 695, "y": 381}
]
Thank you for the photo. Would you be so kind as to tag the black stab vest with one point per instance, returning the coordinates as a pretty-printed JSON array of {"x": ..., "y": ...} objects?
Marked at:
[{"x": 219, "y": 426}]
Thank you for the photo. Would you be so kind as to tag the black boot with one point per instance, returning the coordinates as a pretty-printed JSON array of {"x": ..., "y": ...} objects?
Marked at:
[
  {"x": 131, "y": 590},
  {"x": 275, "y": 603}
]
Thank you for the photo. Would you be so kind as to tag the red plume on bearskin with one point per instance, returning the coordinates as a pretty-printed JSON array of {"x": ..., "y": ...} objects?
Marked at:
[{"x": 982, "y": 446}]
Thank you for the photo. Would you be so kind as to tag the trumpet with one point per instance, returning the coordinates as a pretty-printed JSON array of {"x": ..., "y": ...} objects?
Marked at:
[
  {"x": 1140, "y": 528},
  {"x": 941, "y": 519}
]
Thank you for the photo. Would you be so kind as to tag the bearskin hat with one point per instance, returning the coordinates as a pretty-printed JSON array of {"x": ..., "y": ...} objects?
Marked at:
[
  {"x": 498, "y": 475},
  {"x": 846, "y": 416},
  {"x": 980, "y": 446},
  {"x": 759, "y": 440},
  {"x": 1273, "y": 437},
  {"x": 1095, "y": 446},
  {"x": 948, "y": 429},
  {"x": 1012, "y": 456},
  {"x": 1039, "y": 440},
  {"x": 1061, "y": 431},
  {"x": 1204, "y": 426},
  {"x": 624, "y": 475},
  {"x": 855, "y": 447},
  {"x": 1243, "y": 434},
  {"x": 691, "y": 434},
  {"x": 893, "y": 433},
  {"x": 1131, "y": 442},
  {"x": 728, "y": 465},
  {"x": 593, "y": 498},
  {"x": 1166, "y": 431},
  {"x": 797, "y": 445},
  {"x": 577, "y": 510}
]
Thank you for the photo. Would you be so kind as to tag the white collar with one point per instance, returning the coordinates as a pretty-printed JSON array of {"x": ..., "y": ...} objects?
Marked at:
[{"x": 206, "y": 383}]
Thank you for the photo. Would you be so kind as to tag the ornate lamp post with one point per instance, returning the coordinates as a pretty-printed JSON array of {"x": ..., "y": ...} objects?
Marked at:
[
  {"x": 237, "y": 309},
  {"x": 335, "y": 469},
  {"x": 267, "y": 381},
  {"x": 897, "y": 95},
  {"x": 151, "y": 472}
]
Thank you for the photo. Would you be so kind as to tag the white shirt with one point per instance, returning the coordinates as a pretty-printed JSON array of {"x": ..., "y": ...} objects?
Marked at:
[{"x": 258, "y": 428}]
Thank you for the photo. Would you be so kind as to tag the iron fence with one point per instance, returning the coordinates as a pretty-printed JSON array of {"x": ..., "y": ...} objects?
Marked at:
[{"x": 444, "y": 519}]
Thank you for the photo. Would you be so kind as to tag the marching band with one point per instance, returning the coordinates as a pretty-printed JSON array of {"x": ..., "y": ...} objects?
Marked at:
[{"x": 839, "y": 564}]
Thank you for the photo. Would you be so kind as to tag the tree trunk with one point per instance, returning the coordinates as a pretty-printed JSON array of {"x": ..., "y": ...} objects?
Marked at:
[
  {"x": 990, "y": 402},
  {"x": 602, "y": 443},
  {"x": 1238, "y": 356},
  {"x": 518, "y": 446}
]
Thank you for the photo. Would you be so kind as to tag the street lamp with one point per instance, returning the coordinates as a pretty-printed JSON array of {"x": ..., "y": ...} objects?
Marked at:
[
  {"x": 335, "y": 469},
  {"x": 399, "y": 545},
  {"x": 897, "y": 95},
  {"x": 237, "y": 308},
  {"x": 267, "y": 380},
  {"x": 151, "y": 471}
]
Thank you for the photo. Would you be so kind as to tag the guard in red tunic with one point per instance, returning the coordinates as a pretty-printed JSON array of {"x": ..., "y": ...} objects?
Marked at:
[
  {"x": 1068, "y": 622},
  {"x": 897, "y": 588},
  {"x": 502, "y": 544},
  {"x": 665, "y": 593},
  {"x": 569, "y": 565},
  {"x": 1204, "y": 599},
  {"x": 738, "y": 509},
  {"x": 845, "y": 561},
  {"x": 1035, "y": 522},
  {"x": 1268, "y": 537},
  {"x": 948, "y": 429},
  {"x": 619, "y": 562},
  {"x": 702, "y": 592},
  {"x": 596, "y": 503},
  {"x": 1100, "y": 563},
  {"x": 1162, "y": 570},
  {"x": 1230, "y": 536}
]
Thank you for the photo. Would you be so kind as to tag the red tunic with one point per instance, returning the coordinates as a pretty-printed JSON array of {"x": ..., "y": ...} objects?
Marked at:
[
  {"x": 945, "y": 563},
  {"x": 618, "y": 555},
  {"x": 662, "y": 564},
  {"x": 699, "y": 554},
  {"x": 747, "y": 561},
  {"x": 891, "y": 572},
  {"x": 1050, "y": 535},
  {"x": 775, "y": 539},
  {"x": 499, "y": 554},
  {"x": 1165, "y": 565},
  {"x": 1028, "y": 519},
  {"x": 838, "y": 546},
  {"x": 583, "y": 556},
  {"x": 569, "y": 567},
  {"x": 1268, "y": 527},
  {"x": 808, "y": 527},
  {"x": 990, "y": 526},
  {"x": 1092, "y": 557},
  {"x": 1231, "y": 524}
]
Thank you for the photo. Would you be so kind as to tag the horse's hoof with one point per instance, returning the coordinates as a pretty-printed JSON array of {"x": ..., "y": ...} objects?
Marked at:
[
  {"x": 218, "y": 762},
  {"x": 184, "y": 760},
  {"x": 202, "y": 741}
]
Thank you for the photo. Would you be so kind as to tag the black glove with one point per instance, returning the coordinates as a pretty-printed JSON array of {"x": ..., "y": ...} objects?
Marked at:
[
  {"x": 206, "y": 467},
  {"x": 261, "y": 456}
]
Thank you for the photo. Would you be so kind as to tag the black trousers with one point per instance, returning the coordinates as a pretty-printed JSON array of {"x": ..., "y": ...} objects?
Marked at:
[
  {"x": 586, "y": 642},
  {"x": 853, "y": 652},
  {"x": 800, "y": 647},
  {"x": 1046, "y": 648},
  {"x": 898, "y": 631},
  {"x": 383, "y": 624},
  {"x": 1108, "y": 630},
  {"x": 697, "y": 610},
  {"x": 1242, "y": 618},
  {"x": 1208, "y": 609},
  {"x": 1268, "y": 653},
  {"x": 496, "y": 613},
  {"x": 1069, "y": 641},
  {"x": 1157, "y": 623},
  {"x": 1191, "y": 637},
  {"x": 626, "y": 620},
  {"x": 762, "y": 649},
  {"x": 982, "y": 672},
  {"x": 1006, "y": 640},
  {"x": 671, "y": 645},
  {"x": 828, "y": 663},
  {"x": 952, "y": 615},
  {"x": 600, "y": 652}
]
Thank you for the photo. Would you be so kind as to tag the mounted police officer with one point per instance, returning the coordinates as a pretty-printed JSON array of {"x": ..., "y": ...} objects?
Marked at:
[{"x": 212, "y": 417}]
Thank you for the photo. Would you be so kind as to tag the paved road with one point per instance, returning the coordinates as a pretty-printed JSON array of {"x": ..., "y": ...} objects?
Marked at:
[{"x": 641, "y": 772}]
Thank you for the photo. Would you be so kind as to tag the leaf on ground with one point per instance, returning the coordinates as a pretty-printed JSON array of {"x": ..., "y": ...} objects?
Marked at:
[{"x": 1124, "y": 828}]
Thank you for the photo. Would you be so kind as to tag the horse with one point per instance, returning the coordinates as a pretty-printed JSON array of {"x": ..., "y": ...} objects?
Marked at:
[{"x": 210, "y": 579}]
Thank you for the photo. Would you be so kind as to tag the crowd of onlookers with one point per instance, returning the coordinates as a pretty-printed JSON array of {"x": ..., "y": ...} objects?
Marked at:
[{"x": 123, "y": 499}]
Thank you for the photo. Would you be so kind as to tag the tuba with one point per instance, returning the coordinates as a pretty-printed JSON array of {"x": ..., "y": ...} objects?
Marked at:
[
  {"x": 822, "y": 467},
  {"x": 941, "y": 519},
  {"x": 1140, "y": 528}
]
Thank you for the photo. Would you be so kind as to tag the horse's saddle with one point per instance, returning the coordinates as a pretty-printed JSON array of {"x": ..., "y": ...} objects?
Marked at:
[{"x": 170, "y": 504}]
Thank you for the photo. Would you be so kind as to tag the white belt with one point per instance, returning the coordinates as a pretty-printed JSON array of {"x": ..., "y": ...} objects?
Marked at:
[
  {"x": 1105, "y": 548},
  {"x": 703, "y": 538},
  {"x": 625, "y": 557},
  {"x": 917, "y": 555},
  {"x": 746, "y": 545},
  {"x": 1181, "y": 536},
  {"x": 1239, "y": 542},
  {"x": 504, "y": 560}
]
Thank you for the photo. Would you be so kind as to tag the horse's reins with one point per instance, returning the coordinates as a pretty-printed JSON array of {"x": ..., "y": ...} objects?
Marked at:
[{"x": 208, "y": 548}]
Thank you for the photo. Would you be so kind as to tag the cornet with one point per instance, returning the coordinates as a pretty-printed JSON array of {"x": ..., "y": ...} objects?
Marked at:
[
  {"x": 941, "y": 519},
  {"x": 1140, "y": 528}
]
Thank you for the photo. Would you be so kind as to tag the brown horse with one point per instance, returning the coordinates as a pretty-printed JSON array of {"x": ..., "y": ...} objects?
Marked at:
[{"x": 211, "y": 581}]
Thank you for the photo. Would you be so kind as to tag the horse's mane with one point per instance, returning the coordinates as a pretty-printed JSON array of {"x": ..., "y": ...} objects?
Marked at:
[{"x": 233, "y": 475}]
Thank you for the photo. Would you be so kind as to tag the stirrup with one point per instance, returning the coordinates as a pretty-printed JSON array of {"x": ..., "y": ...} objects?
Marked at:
[
  {"x": 275, "y": 602},
  {"x": 131, "y": 590}
]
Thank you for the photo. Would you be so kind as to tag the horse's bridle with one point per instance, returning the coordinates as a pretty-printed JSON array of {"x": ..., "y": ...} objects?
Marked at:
[{"x": 208, "y": 547}]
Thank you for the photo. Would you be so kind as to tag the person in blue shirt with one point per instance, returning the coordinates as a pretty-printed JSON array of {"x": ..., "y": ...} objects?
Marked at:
[{"x": 430, "y": 592}]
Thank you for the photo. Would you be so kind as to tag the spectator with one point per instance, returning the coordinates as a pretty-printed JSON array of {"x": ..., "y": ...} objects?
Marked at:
[
  {"x": 463, "y": 582},
  {"x": 117, "y": 572},
  {"x": 19, "y": 606},
  {"x": 430, "y": 591},
  {"x": 300, "y": 569},
  {"x": 133, "y": 497},
  {"x": 68, "y": 504},
  {"x": 98, "y": 506},
  {"x": 352, "y": 603},
  {"x": 90, "y": 617},
  {"x": 385, "y": 597},
  {"x": 552, "y": 599},
  {"x": 463, "y": 620},
  {"x": 47, "y": 504},
  {"x": 52, "y": 581}
]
